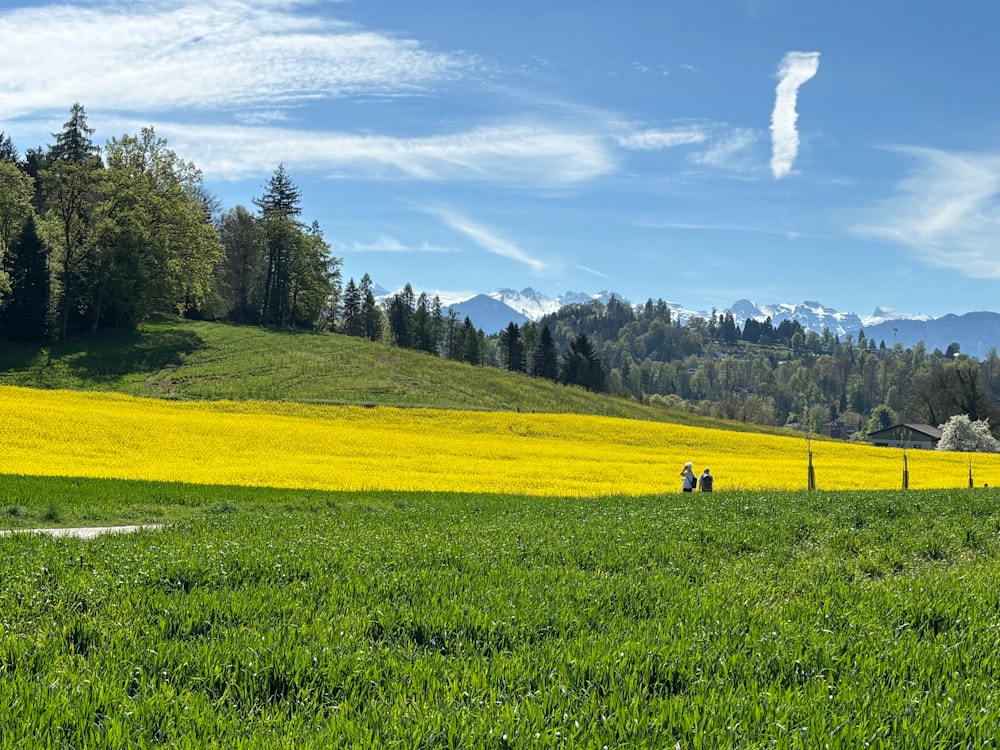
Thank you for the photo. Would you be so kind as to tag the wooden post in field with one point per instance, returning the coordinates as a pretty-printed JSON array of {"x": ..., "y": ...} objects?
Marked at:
[
  {"x": 971, "y": 483},
  {"x": 906, "y": 472},
  {"x": 812, "y": 472}
]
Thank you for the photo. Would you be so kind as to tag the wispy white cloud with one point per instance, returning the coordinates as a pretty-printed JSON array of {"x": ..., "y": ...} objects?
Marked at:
[
  {"x": 261, "y": 116},
  {"x": 488, "y": 239},
  {"x": 947, "y": 210},
  {"x": 519, "y": 154},
  {"x": 721, "y": 146},
  {"x": 719, "y": 227},
  {"x": 593, "y": 272},
  {"x": 649, "y": 140},
  {"x": 165, "y": 54},
  {"x": 385, "y": 243},
  {"x": 729, "y": 149},
  {"x": 796, "y": 68}
]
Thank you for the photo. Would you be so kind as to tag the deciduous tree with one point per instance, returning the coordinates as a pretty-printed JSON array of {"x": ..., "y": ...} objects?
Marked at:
[
  {"x": 158, "y": 247},
  {"x": 960, "y": 433}
]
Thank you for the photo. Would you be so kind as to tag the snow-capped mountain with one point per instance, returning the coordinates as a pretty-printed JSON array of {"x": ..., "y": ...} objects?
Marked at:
[
  {"x": 976, "y": 333},
  {"x": 811, "y": 315},
  {"x": 529, "y": 303},
  {"x": 535, "y": 305},
  {"x": 885, "y": 314}
]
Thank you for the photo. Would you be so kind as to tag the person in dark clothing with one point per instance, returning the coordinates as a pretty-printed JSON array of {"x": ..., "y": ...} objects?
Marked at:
[{"x": 705, "y": 481}]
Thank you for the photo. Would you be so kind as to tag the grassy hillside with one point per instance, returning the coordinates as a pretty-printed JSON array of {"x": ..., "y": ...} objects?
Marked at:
[{"x": 197, "y": 360}]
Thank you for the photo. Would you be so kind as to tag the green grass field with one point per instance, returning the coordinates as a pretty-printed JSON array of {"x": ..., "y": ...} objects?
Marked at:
[{"x": 261, "y": 619}]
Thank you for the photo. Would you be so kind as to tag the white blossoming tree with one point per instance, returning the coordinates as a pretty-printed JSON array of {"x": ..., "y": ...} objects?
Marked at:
[{"x": 960, "y": 433}]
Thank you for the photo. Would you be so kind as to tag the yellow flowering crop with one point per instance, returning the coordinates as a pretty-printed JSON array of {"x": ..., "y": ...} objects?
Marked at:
[{"x": 68, "y": 433}]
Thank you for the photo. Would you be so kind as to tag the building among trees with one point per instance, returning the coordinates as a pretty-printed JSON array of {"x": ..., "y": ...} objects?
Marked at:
[{"x": 906, "y": 435}]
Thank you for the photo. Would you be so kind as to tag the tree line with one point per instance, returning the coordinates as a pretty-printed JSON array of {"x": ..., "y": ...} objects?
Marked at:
[
  {"x": 94, "y": 238},
  {"x": 421, "y": 323},
  {"x": 779, "y": 375},
  {"x": 761, "y": 373}
]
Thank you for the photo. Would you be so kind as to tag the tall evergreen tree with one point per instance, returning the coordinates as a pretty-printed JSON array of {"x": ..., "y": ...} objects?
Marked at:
[
  {"x": 24, "y": 318},
  {"x": 280, "y": 207},
  {"x": 437, "y": 323},
  {"x": 512, "y": 349},
  {"x": 352, "y": 321},
  {"x": 16, "y": 191},
  {"x": 8, "y": 152},
  {"x": 582, "y": 367},
  {"x": 74, "y": 144},
  {"x": 71, "y": 189},
  {"x": 422, "y": 327},
  {"x": 546, "y": 361},
  {"x": 399, "y": 310},
  {"x": 453, "y": 336},
  {"x": 472, "y": 349},
  {"x": 373, "y": 317}
]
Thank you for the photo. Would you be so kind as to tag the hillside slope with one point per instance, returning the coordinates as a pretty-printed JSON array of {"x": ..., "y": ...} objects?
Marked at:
[
  {"x": 183, "y": 359},
  {"x": 197, "y": 360}
]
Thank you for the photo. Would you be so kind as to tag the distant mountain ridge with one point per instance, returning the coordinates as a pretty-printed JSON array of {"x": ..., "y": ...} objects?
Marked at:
[{"x": 975, "y": 332}]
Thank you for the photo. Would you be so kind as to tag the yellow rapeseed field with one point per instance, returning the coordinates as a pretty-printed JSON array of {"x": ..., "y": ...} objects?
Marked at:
[{"x": 64, "y": 433}]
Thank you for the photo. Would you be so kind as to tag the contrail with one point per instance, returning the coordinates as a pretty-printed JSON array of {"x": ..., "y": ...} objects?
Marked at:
[{"x": 796, "y": 68}]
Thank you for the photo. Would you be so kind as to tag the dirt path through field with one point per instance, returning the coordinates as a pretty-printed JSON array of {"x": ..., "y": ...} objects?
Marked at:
[{"x": 84, "y": 532}]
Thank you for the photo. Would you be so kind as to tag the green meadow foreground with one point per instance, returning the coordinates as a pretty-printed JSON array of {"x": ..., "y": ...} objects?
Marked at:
[{"x": 263, "y": 618}]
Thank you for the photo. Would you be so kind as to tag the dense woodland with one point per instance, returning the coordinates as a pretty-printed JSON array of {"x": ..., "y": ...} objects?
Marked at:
[{"x": 94, "y": 238}]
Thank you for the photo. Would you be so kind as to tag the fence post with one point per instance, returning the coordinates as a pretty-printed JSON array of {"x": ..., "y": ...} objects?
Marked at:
[
  {"x": 812, "y": 472},
  {"x": 906, "y": 472}
]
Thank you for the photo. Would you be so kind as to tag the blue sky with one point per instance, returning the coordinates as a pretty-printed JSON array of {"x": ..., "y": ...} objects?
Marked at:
[{"x": 701, "y": 151}]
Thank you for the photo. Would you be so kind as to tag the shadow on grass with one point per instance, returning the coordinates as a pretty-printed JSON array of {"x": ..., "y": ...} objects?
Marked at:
[{"x": 100, "y": 359}]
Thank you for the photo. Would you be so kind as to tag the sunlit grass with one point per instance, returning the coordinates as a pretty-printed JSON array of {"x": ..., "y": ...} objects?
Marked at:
[{"x": 313, "y": 620}]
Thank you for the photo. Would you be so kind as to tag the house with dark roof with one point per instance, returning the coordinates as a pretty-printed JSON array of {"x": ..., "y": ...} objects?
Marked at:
[{"x": 906, "y": 435}]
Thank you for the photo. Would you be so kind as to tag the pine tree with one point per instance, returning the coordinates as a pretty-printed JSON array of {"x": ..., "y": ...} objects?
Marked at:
[
  {"x": 8, "y": 152},
  {"x": 74, "y": 144},
  {"x": 400, "y": 313},
  {"x": 352, "y": 322},
  {"x": 24, "y": 318},
  {"x": 546, "y": 361},
  {"x": 472, "y": 351},
  {"x": 374, "y": 320},
  {"x": 280, "y": 207},
  {"x": 512, "y": 349},
  {"x": 582, "y": 367},
  {"x": 422, "y": 326}
]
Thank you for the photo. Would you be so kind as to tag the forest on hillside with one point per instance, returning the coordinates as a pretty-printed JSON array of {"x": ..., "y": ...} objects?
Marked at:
[
  {"x": 95, "y": 239},
  {"x": 763, "y": 374}
]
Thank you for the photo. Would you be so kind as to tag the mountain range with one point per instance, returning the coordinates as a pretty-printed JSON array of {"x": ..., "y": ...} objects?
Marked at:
[{"x": 975, "y": 332}]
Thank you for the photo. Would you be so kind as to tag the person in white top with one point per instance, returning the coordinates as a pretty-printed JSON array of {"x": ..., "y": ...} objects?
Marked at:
[{"x": 688, "y": 480}]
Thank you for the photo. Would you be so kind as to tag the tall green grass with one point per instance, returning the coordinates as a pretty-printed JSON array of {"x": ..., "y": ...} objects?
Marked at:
[{"x": 314, "y": 620}]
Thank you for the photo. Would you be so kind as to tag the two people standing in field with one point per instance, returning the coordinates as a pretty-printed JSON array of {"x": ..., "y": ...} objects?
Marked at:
[{"x": 689, "y": 482}]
